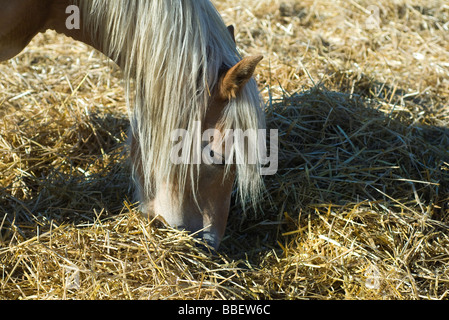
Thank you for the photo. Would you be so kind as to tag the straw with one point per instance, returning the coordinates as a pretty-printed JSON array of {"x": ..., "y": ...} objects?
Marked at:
[{"x": 359, "y": 208}]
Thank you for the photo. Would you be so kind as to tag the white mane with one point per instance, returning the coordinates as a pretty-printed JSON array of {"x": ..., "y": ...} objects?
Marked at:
[{"x": 171, "y": 52}]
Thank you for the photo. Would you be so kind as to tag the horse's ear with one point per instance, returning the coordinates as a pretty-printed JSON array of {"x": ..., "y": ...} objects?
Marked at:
[
  {"x": 231, "y": 32},
  {"x": 235, "y": 78}
]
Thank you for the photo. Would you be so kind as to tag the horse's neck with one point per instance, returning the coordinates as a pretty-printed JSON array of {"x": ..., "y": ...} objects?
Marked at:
[{"x": 57, "y": 21}]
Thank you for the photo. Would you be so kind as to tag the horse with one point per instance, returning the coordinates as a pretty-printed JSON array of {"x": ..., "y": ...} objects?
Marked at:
[{"x": 181, "y": 68}]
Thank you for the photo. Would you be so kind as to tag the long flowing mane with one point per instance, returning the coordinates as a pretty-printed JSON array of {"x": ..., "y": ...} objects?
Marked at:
[{"x": 171, "y": 52}]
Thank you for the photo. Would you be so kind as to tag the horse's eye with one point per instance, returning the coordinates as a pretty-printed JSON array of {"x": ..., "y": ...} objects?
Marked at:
[{"x": 222, "y": 161}]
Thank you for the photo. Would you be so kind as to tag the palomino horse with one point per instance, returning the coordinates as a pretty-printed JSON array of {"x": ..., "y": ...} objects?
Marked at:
[{"x": 181, "y": 68}]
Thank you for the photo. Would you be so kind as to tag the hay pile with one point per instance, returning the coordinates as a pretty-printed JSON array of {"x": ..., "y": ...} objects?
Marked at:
[{"x": 358, "y": 210}]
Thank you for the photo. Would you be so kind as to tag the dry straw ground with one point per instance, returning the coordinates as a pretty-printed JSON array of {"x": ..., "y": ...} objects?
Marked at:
[{"x": 358, "y": 210}]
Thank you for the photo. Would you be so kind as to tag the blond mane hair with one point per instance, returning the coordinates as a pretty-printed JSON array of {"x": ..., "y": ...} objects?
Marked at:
[{"x": 171, "y": 52}]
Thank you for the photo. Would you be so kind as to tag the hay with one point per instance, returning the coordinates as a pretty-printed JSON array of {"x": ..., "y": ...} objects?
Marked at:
[{"x": 358, "y": 210}]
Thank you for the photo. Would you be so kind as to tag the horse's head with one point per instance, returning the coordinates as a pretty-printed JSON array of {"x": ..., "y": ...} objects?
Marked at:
[{"x": 205, "y": 212}]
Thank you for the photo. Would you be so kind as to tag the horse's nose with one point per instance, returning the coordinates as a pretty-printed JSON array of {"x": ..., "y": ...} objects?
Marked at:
[
  {"x": 209, "y": 236},
  {"x": 211, "y": 239}
]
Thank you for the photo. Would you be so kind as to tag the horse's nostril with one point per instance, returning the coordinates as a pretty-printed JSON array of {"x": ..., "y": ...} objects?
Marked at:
[{"x": 211, "y": 239}]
